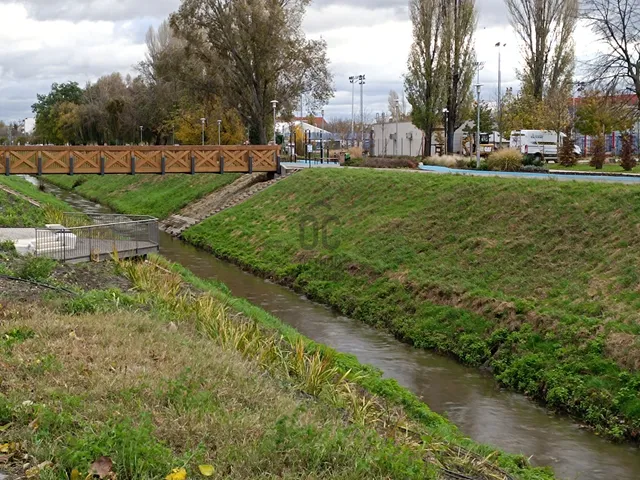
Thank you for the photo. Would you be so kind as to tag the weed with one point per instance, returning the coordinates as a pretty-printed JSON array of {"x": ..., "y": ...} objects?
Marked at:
[
  {"x": 37, "y": 268},
  {"x": 7, "y": 246}
]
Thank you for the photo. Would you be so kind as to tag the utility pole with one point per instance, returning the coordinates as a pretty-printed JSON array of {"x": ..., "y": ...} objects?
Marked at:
[
  {"x": 219, "y": 137},
  {"x": 322, "y": 139},
  {"x": 361, "y": 81},
  {"x": 478, "y": 87},
  {"x": 445, "y": 112},
  {"x": 397, "y": 115},
  {"x": 500, "y": 45},
  {"x": 141, "y": 127},
  {"x": 274, "y": 104},
  {"x": 203, "y": 121},
  {"x": 352, "y": 79}
]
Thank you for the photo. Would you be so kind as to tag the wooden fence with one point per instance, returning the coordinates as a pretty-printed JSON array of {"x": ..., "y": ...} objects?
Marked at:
[{"x": 138, "y": 160}]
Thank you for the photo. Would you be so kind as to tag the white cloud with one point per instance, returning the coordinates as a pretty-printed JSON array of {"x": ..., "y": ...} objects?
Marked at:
[{"x": 46, "y": 41}]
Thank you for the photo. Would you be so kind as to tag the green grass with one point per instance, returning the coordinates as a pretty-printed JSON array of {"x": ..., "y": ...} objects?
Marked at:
[
  {"x": 536, "y": 280},
  {"x": 16, "y": 212},
  {"x": 155, "y": 195},
  {"x": 585, "y": 167}
]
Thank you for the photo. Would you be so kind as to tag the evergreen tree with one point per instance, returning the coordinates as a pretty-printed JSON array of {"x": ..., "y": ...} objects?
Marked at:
[
  {"x": 598, "y": 152},
  {"x": 627, "y": 160},
  {"x": 567, "y": 156}
]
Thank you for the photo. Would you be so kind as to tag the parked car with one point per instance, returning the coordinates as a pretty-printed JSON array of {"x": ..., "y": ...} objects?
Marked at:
[{"x": 542, "y": 144}]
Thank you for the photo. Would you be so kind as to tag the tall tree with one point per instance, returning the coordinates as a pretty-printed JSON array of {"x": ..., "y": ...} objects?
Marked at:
[
  {"x": 425, "y": 81},
  {"x": 45, "y": 109},
  {"x": 617, "y": 26},
  {"x": 257, "y": 51},
  {"x": 460, "y": 26},
  {"x": 545, "y": 28}
]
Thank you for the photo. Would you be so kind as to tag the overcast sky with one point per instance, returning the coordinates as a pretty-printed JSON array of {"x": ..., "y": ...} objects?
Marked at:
[{"x": 46, "y": 41}]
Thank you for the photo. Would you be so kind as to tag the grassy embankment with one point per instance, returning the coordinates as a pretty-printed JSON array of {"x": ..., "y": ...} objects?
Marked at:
[
  {"x": 143, "y": 194},
  {"x": 174, "y": 373},
  {"x": 16, "y": 212},
  {"x": 537, "y": 281}
]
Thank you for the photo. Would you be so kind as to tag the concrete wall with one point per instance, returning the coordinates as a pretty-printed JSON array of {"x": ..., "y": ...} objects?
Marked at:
[{"x": 404, "y": 146}]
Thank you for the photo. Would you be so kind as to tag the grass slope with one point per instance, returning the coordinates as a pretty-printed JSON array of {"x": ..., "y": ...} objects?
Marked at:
[
  {"x": 155, "y": 195},
  {"x": 535, "y": 280},
  {"x": 16, "y": 212},
  {"x": 176, "y": 373},
  {"x": 585, "y": 167}
]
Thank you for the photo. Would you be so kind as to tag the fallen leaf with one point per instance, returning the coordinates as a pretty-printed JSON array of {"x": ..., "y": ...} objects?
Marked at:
[
  {"x": 177, "y": 474},
  {"x": 34, "y": 424},
  {"x": 4, "y": 448},
  {"x": 206, "y": 470},
  {"x": 9, "y": 447},
  {"x": 33, "y": 472},
  {"x": 101, "y": 467},
  {"x": 75, "y": 474},
  {"x": 4, "y": 428}
]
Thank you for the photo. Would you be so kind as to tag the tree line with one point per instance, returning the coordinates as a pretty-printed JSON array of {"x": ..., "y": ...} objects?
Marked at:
[
  {"x": 217, "y": 64},
  {"x": 442, "y": 63}
]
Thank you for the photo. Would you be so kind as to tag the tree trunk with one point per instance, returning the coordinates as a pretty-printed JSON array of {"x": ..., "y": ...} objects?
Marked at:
[{"x": 427, "y": 143}]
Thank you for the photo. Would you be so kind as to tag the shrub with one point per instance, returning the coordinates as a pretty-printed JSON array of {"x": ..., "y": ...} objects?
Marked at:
[
  {"x": 37, "y": 268},
  {"x": 389, "y": 163},
  {"x": 506, "y": 160},
  {"x": 626, "y": 158},
  {"x": 598, "y": 153},
  {"x": 567, "y": 155},
  {"x": 532, "y": 161},
  {"x": 534, "y": 169},
  {"x": 7, "y": 247}
]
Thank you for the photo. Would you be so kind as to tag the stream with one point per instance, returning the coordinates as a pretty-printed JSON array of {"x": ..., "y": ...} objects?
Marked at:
[{"x": 469, "y": 397}]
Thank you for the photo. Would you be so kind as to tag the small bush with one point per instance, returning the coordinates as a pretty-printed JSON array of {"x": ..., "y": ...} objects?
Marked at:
[
  {"x": 353, "y": 162},
  {"x": 626, "y": 159},
  {"x": 567, "y": 156},
  {"x": 506, "y": 160},
  {"x": 389, "y": 163},
  {"x": 598, "y": 154},
  {"x": 8, "y": 247},
  {"x": 532, "y": 161},
  {"x": 37, "y": 268}
]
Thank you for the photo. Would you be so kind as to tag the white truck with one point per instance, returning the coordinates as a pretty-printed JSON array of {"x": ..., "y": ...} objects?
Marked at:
[{"x": 539, "y": 143}]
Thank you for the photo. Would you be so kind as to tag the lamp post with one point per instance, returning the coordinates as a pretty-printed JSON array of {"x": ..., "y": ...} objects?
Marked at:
[
  {"x": 274, "y": 104},
  {"x": 219, "y": 125},
  {"x": 141, "y": 127},
  {"x": 397, "y": 115},
  {"x": 500, "y": 45},
  {"x": 361, "y": 81},
  {"x": 203, "y": 121},
  {"x": 445, "y": 112},
  {"x": 478, "y": 87},
  {"x": 384, "y": 139},
  {"x": 322, "y": 138},
  {"x": 352, "y": 79}
]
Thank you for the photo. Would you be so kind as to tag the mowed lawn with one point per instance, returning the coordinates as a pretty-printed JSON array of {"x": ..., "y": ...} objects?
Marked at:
[
  {"x": 536, "y": 280},
  {"x": 155, "y": 195}
]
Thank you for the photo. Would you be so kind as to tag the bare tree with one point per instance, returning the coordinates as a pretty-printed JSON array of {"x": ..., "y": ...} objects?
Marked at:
[
  {"x": 545, "y": 27},
  {"x": 617, "y": 25},
  {"x": 394, "y": 104},
  {"x": 460, "y": 25},
  {"x": 426, "y": 75},
  {"x": 341, "y": 127}
]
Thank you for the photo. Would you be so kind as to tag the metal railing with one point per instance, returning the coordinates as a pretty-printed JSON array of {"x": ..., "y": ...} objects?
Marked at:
[{"x": 97, "y": 236}]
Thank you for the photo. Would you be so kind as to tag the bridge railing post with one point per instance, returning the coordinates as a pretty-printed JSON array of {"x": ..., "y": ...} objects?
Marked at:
[
  {"x": 71, "y": 164},
  {"x": 221, "y": 164},
  {"x": 39, "y": 164},
  {"x": 163, "y": 164},
  {"x": 133, "y": 164},
  {"x": 102, "y": 164},
  {"x": 7, "y": 165},
  {"x": 250, "y": 164},
  {"x": 193, "y": 164}
]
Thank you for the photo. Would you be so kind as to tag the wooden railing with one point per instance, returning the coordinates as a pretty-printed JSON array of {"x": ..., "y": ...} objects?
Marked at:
[{"x": 138, "y": 160}]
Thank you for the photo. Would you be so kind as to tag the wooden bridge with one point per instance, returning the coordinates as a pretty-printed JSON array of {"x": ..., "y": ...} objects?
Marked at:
[{"x": 134, "y": 160}]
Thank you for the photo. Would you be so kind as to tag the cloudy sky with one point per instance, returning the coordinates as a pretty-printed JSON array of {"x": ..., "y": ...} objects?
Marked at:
[{"x": 46, "y": 41}]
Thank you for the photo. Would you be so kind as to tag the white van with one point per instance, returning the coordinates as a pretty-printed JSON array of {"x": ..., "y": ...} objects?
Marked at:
[{"x": 539, "y": 143}]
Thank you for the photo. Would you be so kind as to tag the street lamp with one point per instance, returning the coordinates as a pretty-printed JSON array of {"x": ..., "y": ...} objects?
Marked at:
[
  {"x": 274, "y": 104},
  {"x": 141, "y": 127},
  {"x": 219, "y": 125},
  {"x": 478, "y": 88},
  {"x": 397, "y": 114},
  {"x": 352, "y": 79},
  {"x": 500, "y": 45},
  {"x": 203, "y": 121},
  {"x": 361, "y": 81},
  {"x": 445, "y": 112},
  {"x": 322, "y": 138}
]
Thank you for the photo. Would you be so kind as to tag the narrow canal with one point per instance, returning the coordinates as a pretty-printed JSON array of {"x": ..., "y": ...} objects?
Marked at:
[{"x": 468, "y": 397}]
